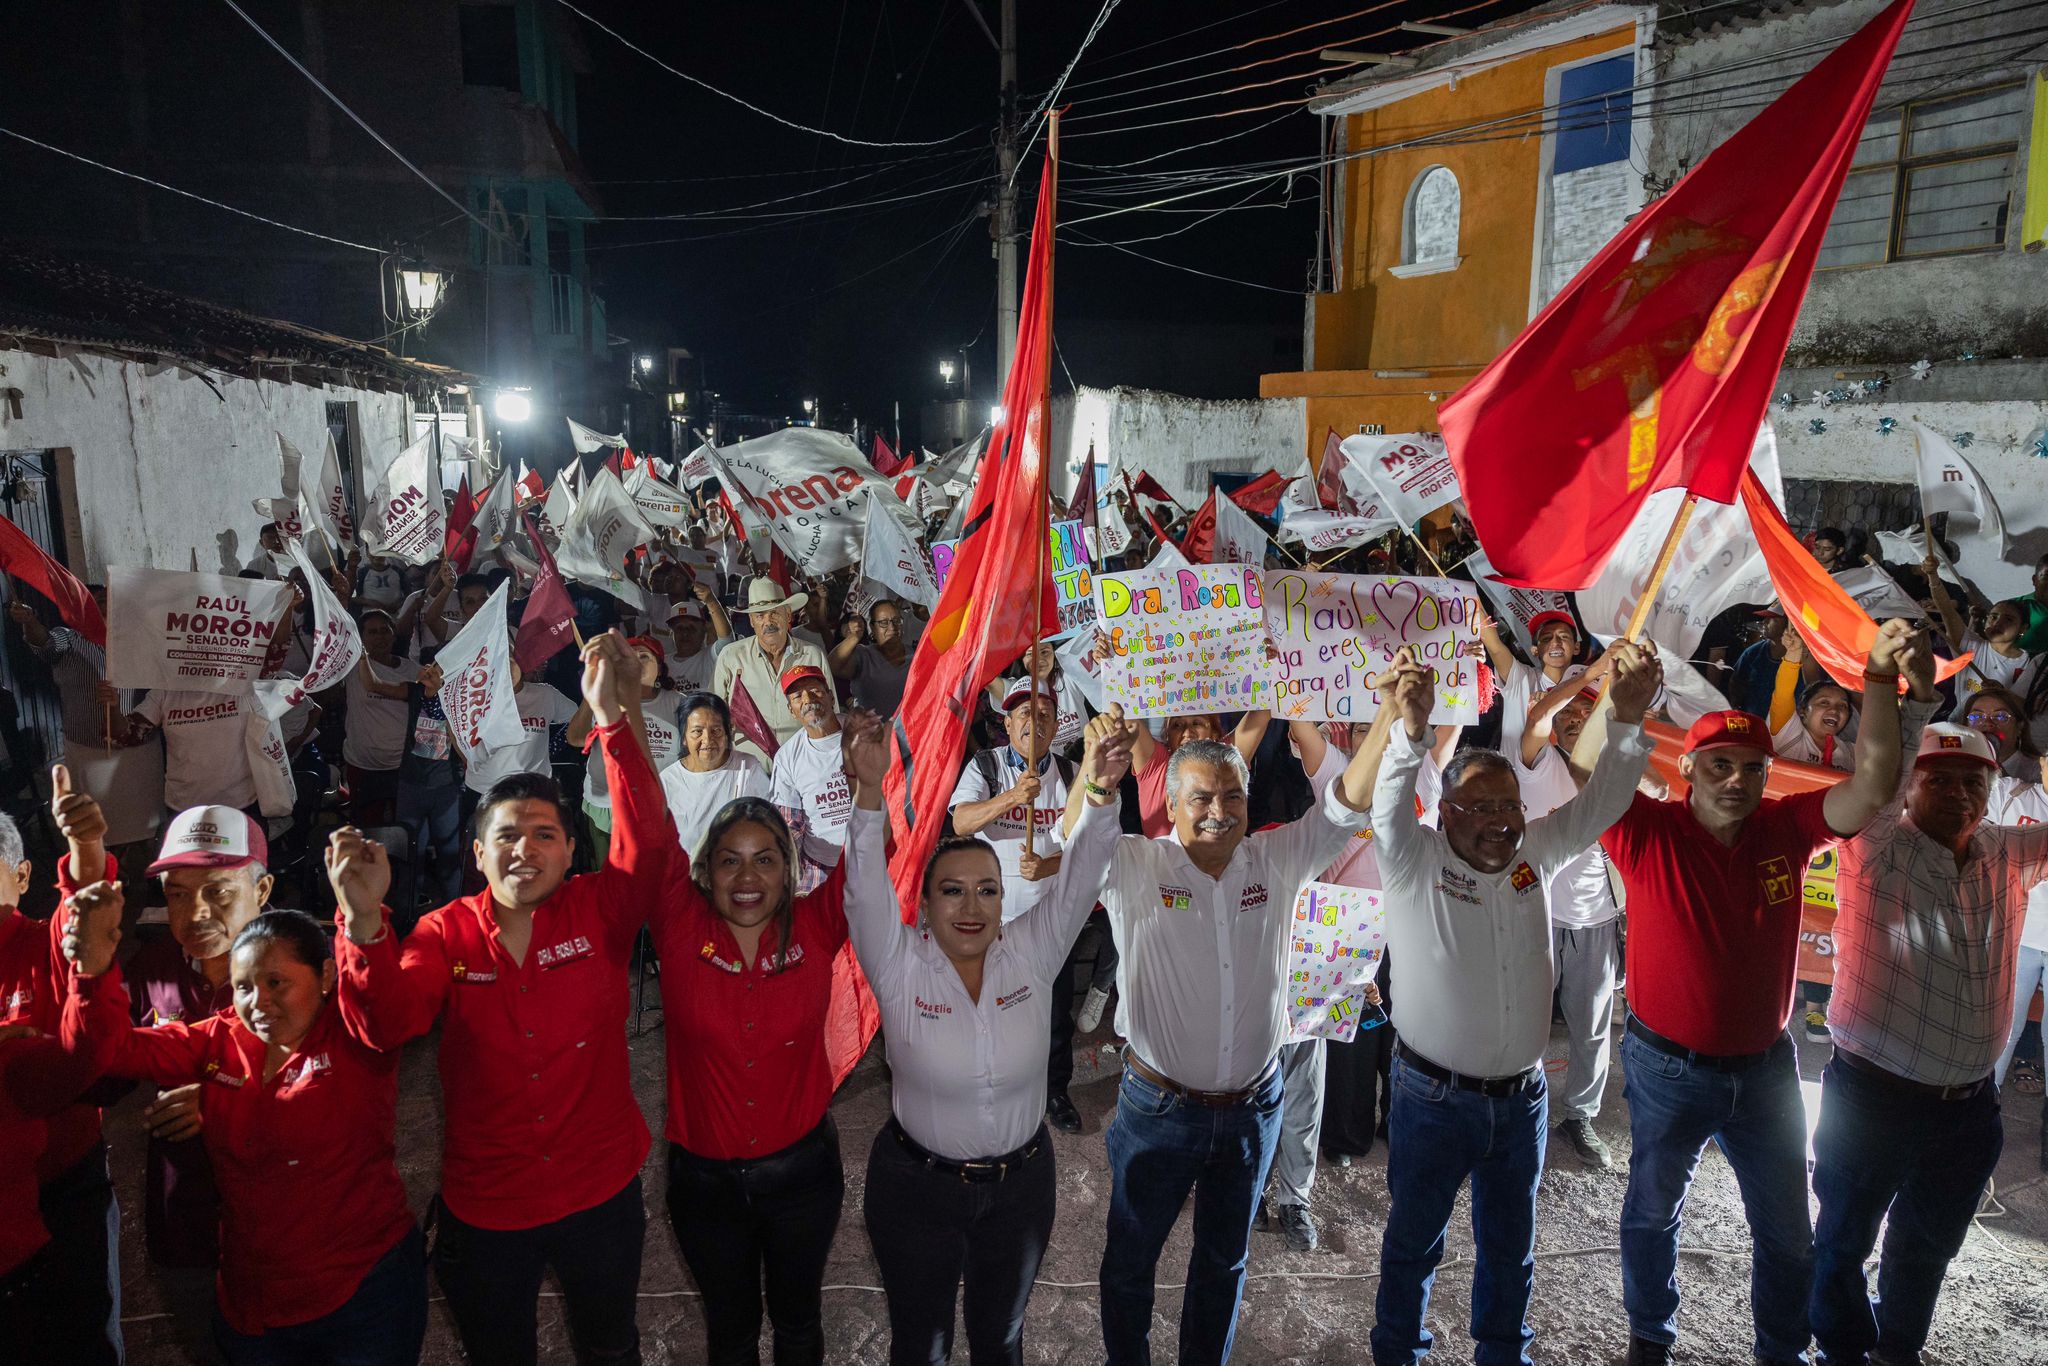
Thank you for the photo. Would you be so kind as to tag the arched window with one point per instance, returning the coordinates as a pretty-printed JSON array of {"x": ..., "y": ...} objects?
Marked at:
[{"x": 1429, "y": 231}]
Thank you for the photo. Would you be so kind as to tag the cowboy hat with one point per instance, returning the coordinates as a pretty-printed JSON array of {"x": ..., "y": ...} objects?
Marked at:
[{"x": 763, "y": 595}]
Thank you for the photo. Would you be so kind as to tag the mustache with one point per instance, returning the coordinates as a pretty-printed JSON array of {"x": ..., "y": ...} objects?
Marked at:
[{"x": 1216, "y": 825}]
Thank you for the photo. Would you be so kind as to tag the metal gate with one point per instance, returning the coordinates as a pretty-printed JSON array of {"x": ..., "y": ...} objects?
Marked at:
[{"x": 30, "y": 498}]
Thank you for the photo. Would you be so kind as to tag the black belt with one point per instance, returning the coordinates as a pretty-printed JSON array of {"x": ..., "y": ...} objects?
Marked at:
[
  {"x": 1485, "y": 1086},
  {"x": 1719, "y": 1062},
  {"x": 1864, "y": 1067},
  {"x": 978, "y": 1171}
]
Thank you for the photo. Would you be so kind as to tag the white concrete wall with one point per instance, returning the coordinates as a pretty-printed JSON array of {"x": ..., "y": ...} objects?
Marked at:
[
  {"x": 165, "y": 466},
  {"x": 1178, "y": 441}
]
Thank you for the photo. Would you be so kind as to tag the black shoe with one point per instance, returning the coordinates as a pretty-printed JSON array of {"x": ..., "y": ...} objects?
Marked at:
[
  {"x": 1059, "y": 1108},
  {"x": 1642, "y": 1352},
  {"x": 1262, "y": 1217},
  {"x": 1592, "y": 1150},
  {"x": 1297, "y": 1228}
]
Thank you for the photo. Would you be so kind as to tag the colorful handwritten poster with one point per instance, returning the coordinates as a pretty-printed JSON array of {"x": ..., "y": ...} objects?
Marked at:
[
  {"x": 1333, "y": 632},
  {"x": 1817, "y": 918},
  {"x": 1334, "y": 945},
  {"x": 1071, "y": 579},
  {"x": 1184, "y": 640},
  {"x": 942, "y": 562}
]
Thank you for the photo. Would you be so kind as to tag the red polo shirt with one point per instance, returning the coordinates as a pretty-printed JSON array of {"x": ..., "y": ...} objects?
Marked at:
[
  {"x": 37, "y": 1075},
  {"x": 747, "y": 1072},
  {"x": 306, "y": 1161},
  {"x": 1713, "y": 931},
  {"x": 535, "y": 1079}
]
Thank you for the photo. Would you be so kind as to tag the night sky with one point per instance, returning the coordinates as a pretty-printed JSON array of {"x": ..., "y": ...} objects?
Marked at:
[{"x": 858, "y": 301}]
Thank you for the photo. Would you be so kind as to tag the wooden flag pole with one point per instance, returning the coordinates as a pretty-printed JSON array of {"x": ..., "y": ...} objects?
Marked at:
[
  {"x": 1665, "y": 554},
  {"x": 1044, "y": 361}
]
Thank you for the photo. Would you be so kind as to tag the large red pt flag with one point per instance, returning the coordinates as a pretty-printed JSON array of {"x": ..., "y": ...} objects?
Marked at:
[
  {"x": 28, "y": 562},
  {"x": 1654, "y": 366}
]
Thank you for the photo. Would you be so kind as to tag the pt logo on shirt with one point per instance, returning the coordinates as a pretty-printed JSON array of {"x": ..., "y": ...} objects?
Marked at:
[
  {"x": 1176, "y": 898},
  {"x": 1523, "y": 878},
  {"x": 709, "y": 953},
  {"x": 213, "y": 1073},
  {"x": 1774, "y": 875},
  {"x": 462, "y": 973},
  {"x": 1254, "y": 897},
  {"x": 568, "y": 951},
  {"x": 1017, "y": 997}
]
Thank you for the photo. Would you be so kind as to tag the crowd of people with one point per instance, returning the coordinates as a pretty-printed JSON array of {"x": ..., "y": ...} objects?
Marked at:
[{"x": 699, "y": 787}]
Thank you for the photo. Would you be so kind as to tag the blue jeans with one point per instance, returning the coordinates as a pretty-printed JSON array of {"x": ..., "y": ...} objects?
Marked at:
[
  {"x": 1758, "y": 1120},
  {"x": 382, "y": 1324},
  {"x": 1160, "y": 1148},
  {"x": 1923, "y": 1161},
  {"x": 1438, "y": 1136},
  {"x": 432, "y": 817}
]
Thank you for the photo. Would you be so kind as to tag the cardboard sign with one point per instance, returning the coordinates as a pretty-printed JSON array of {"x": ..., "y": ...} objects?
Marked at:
[
  {"x": 1335, "y": 942},
  {"x": 197, "y": 632},
  {"x": 1335, "y": 631},
  {"x": 1184, "y": 640},
  {"x": 1071, "y": 579}
]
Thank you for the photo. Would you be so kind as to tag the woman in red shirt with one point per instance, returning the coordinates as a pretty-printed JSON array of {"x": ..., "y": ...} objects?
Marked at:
[
  {"x": 321, "y": 1259},
  {"x": 754, "y": 1174}
]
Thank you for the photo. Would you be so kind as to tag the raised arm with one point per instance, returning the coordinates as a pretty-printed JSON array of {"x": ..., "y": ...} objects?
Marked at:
[
  {"x": 845, "y": 656},
  {"x": 387, "y": 996},
  {"x": 874, "y": 921},
  {"x": 1251, "y": 732},
  {"x": 714, "y": 610},
  {"x": 1537, "y": 734},
  {"x": 1498, "y": 655},
  {"x": 1571, "y": 829},
  {"x": 1402, "y": 729},
  {"x": 1047, "y": 931},
  {"x": 1897, "y": 651},
  {"x": 1952, "y": 623},
  {"x": 643, "y": 837},
  {"x": 1357, "y": 786}
]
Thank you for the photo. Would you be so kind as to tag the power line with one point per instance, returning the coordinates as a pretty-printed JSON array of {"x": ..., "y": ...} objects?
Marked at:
[
  {"x": 744, "y": 104},
  {"x": 215, "y": 203},
  {"x": 1084, "y": 239}
]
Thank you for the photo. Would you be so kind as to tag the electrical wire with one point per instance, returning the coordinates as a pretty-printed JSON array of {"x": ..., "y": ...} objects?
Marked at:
[
  {"x": 1101, "y": 18},
  {"x": 731, "y": 215},
  {"x": 745, "y": 104},
  {"x": 1082, "y": 239},
  {"x": 215, "y": 203}
]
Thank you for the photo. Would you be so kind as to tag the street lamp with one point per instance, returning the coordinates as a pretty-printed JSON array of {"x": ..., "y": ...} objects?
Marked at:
[
  {"x": 946, "y": 371},
  {"x": 995, "y": 414},
  {"x": 512, "y": 406},
  {"x": 422, "y": 289},
  {"x": 810, "y": 406},
  {"x": 647, "y": 365}
]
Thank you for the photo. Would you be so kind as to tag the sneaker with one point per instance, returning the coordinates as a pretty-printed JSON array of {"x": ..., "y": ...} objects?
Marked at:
[
  {"x": 1092, "y": 1006},
  {"x": 1592, "y": 1150},
  {"x": 1297, "y": 1230},
  {"x": 1817, "y": 1026},
  {"x": 1643, "y": 1352},
  {"x": 1059, "y": 1108}
]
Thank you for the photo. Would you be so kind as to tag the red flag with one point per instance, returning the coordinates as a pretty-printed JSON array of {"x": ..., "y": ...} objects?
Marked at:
[
  {"x": 1153, "y": 522},
  {"x": 549, "y": 621},
  {"x": 778, "y": 568},
  {"x": 1262, "y": 495},
  {"x": 1153, "y": 489},
  {"x": 1330, "y": 475},
  {"x": 983, "y": 621},
  {"x": 531, "y": 487},
  {"x": 1082, "y": 506},
  {"x": 1653, "y": 367},
  {"x": 886, "y": 461},
  {"x": 28, "y": 562},
  {"x": 1836, "y": 630},
  {"x": 747, "y": 718},
  {"x": 1200, "y": 535}
]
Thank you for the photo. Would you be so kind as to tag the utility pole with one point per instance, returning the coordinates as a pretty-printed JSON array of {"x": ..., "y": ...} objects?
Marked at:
[{"x": 1006, "y": 204}]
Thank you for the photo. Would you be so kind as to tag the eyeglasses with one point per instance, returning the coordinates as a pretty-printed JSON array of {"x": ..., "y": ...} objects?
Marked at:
[
  {"x": 1976, "y": 716},
  {"x": 1488, "y": 810}
]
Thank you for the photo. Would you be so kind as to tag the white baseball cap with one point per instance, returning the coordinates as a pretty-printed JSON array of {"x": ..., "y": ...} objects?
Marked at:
[
  {"x": 211, "y": 837},
  {"x": 1944, "y": 740}
]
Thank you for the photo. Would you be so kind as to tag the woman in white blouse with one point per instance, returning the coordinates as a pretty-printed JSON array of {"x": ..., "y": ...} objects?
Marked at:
[
  {"x": 960, "y": 1182},
  {"x": 710, "y": 773}
]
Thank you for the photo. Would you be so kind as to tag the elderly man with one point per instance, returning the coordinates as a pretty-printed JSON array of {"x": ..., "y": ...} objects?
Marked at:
[
  {"x": 1931, "y": 902},
  {"x": 1201, "y": 921},
  {"x": 1468, "y": 934},
  {"x": 810, "y": 771},
  {"x": 759, "y": 661},
  {"x": 1713, "y": 946}
]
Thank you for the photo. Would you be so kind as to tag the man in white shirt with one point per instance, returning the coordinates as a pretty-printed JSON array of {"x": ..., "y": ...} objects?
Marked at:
[
  {"x": 1469, "y": 939},
  {"x": 1201, "y": 919},
  {"x": 810, "y": 769},
  {"x": 206, "y": 747},
  {"x": 1585, "y": 937}
]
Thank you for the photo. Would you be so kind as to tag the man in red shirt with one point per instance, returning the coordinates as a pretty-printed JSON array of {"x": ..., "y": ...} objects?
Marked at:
[
  {"x": 1714, "y": 910},
  {"x": 544, "y": 1142}
]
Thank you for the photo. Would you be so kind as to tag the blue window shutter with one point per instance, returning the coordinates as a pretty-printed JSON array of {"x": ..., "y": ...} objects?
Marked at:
[{"x": 1594, "y": 102}]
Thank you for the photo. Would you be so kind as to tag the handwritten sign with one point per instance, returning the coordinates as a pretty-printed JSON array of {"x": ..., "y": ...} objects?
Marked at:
[
  {"x": 1334, "y": 946},
  {"x": 1071, "y": 579},
  {"x": 1411, "y": 473},
  {"x": 1184, "y": 640},
  {"x": 942, "y": 562},
  {"x": 1334, "y": 631},
  {"x": 1817, "y": 918}
]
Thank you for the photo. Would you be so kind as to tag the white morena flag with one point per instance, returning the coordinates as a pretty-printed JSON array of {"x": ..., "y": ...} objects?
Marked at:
[
  {"x": 1878, "y": 593},
  {"x": 476, "y": 681},
  {"x": 407, "y": 520},
  {"x": 1168, "y": 556},
  {"x": 1298, "y": 497},
  {"x": 659, "y": 504},
  {"x": 323, "y": 503},
  {"x": 1517, "y": 606},
  {"x": 191, "y": 632},
  {"x": 605, "y": 527},
  {"x": 696, "y": 467},
  {"x": 809, "y": 489},
  {"x": 1949, "y": 483},
  {"x": 558, "y": 504},
  {"x": 1717, "y": 563},
  {"x": 284, "y": 509},
  {"x": 1238, "y": 539},
  {"x": 335, "y": 649},
  {"x": 1318, "y": 529},
  {"x": 588, "y": 439},
  {"x": 1411, "y": 473},
  {"x": 1111, "y": 534},
  {"x": 498, "y": 519},
  {"x": 891, "y": 559},
  {"x": 1910, "y": 547}
]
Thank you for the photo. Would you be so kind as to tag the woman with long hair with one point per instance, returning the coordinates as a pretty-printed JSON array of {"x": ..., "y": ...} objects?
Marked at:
[
  {"x": 710, "y": 773},
  {"x": 755, "y": 1180},
  {"x": 960, "y": 1181}
]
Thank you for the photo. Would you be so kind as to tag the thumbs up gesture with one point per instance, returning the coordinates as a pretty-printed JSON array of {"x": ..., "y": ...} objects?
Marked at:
[{"x": 81, "y": 822}]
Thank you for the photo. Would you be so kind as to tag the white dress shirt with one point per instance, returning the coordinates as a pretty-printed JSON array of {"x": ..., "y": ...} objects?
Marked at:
[
  {"x": 1471, "y": 950},
  {"x": 967, "y": 1078},
  {"x": 1204, "y": 960}
]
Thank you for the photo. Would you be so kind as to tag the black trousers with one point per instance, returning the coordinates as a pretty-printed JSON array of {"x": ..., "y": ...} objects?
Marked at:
[
  {"x": 931, "y": 1231},
  {"x": 1357, "y": 1086},
  {"x": 81, "y": 1263},
  {"x": 1094, "y": 945},
  {"x": 492, "y": 1280},
  {"x": 760, "y": 1229}
]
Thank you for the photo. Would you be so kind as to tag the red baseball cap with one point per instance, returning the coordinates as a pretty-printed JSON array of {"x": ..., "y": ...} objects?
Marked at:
[
  {"x": 211, "y": 837},
  {"x": 802, "y": 673},
  {"x": 1543, "y": 619},
  {"x": 1722, "y": 729},
  {"x": 649, "y": 644}
]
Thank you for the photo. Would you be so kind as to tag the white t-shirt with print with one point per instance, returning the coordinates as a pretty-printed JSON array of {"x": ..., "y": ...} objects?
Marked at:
[
  {"x": 1006, "y": 832},
  {"x": 2020, "y": 803},
  {"x": 1986, "y": 664},
  {"x": 1579, "y": 893},
  {"x": 373, "y": 737},
  {"x": 541, "y": 708},
  {"x": 810, "y": 776},
  {"x": 206, "y": 747},
  {"x": 664, "y": 742},
  {"x": 694, "y": 798}
]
